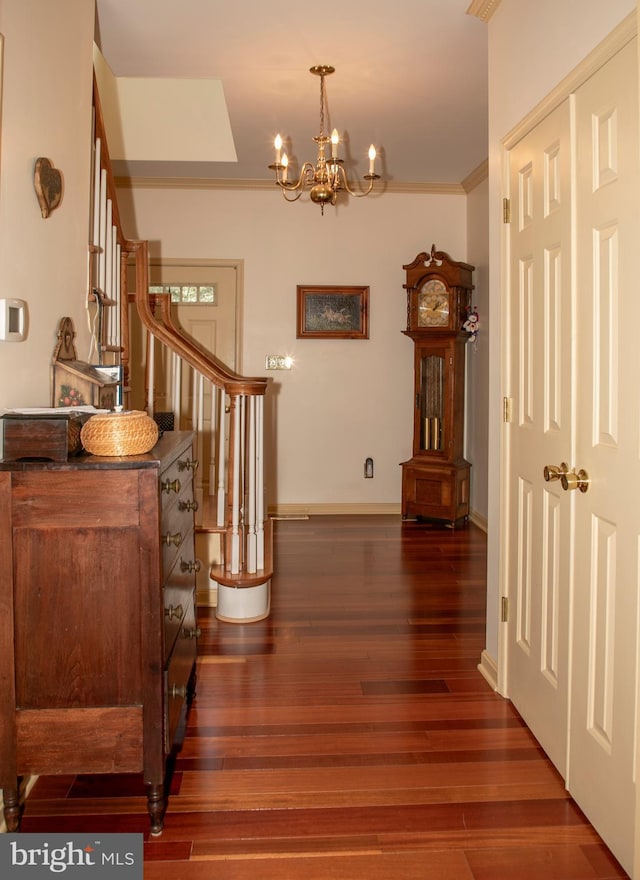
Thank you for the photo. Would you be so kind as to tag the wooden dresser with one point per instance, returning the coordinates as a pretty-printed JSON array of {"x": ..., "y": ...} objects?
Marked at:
[{"x": 97, "y": 616}]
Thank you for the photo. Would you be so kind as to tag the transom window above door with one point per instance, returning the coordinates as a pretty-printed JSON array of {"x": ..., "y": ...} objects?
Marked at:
[{"x": 188, "y": 293}]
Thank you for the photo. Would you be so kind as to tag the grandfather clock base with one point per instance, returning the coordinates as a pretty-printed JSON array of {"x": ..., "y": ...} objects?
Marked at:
[{"x": 436, "y": 491}]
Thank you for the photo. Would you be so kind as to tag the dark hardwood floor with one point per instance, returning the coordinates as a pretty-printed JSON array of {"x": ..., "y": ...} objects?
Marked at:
[{"x": 350, "y": 735}]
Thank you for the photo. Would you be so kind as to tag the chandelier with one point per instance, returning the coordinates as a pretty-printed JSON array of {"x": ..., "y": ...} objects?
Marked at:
[{"x": 328, "y": 177}]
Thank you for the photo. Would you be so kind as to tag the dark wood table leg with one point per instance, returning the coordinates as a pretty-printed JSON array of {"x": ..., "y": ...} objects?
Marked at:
[
  {"x": 156, "y": 805},
  {"x": 11, "y": 797}
]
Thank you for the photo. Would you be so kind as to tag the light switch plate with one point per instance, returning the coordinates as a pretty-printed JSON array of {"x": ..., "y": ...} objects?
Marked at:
[
  {"x": 13, "y": 320},
  {"x": 278, "y": 362}
]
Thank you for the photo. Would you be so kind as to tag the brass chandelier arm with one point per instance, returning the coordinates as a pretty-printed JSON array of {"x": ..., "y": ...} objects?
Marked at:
[
  {"x": 343, "y": 183},
  {"x": 306, "y": 178},
  {"x": 287, "y": 193}
]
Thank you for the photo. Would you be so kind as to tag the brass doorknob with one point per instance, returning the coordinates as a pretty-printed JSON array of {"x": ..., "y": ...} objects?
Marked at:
[
  {"x": 573, "y": 480},
  {"x": 553, "y": 472}
]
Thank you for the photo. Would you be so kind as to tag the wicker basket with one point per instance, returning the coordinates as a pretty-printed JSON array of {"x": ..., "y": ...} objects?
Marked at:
[{"x": 119, "y": 433}]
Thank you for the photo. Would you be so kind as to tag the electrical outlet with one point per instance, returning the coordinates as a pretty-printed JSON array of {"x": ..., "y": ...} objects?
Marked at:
[{"x": 278, "y": 362}]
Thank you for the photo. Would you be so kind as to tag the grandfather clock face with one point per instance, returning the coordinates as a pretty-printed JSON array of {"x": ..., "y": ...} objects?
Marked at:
[{"x": 434, "y": 304}]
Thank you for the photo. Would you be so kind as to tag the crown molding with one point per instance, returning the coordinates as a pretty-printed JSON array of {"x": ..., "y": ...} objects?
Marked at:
[
  {"x": 477, "y": 176},
  {"x": 603, "y": 52},
  {"x": 201, "y": 183},
  {"x": 483, "y": 9}
]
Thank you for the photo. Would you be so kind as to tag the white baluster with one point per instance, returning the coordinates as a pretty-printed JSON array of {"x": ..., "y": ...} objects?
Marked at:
[
  {"x": 108, "y": 271},
  {"x": 96, "y": 195},
  {"x": 222, "y": 458},
  {"x": 177, "y": 389},
  {"x": 260, "y": 481},
  {"x": 151, "y": 363},
  {"x": 102, "y": 241},
  {"x": 118, "y": 280},
  {"x": 251, "y": 489},
  {"x": 195, "y": 409}
]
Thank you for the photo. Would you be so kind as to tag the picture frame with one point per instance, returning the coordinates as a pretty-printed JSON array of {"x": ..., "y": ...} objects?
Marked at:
[{"x": 334, "y": 312}]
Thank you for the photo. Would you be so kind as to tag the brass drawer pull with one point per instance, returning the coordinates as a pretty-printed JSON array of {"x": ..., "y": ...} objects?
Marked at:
[
  {"x": 176, "y": 539},
  {"x": 178, "y": 690},
  {"x": 171, "y": 486},
  {"x": 193, "y": 632},
  {"x": 188, "y": 505},
  {"x": 196, "y": 565},
  {"x": 174, "y": 611},
  {"x": 189, "y": 464}
]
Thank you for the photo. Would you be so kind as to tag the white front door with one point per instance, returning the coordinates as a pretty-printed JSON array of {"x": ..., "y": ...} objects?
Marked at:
[
  {"x": 573, "y": 556},
  {"x": 541, "y": 431}
]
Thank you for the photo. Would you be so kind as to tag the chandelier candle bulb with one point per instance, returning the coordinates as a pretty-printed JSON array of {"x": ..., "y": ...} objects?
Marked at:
[
  {"x": 335, "y": 140},
  {"x": 372, "y": 158},
  {"x": 278, "y": 145},
  {"x": 285, "y": 164}
]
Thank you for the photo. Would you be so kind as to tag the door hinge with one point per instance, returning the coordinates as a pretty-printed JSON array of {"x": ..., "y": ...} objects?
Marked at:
[
  {"x": 506, "y": 409},
  {"x": 506, "y": 210},
  {"x": 504, "y": 609}
]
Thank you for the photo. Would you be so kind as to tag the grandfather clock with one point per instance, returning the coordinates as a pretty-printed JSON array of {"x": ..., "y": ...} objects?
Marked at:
[{"x": 435, "y": 481}]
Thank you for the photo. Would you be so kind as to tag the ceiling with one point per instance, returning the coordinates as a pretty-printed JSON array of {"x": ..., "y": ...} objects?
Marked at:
[{"x": 411, "y": 77}]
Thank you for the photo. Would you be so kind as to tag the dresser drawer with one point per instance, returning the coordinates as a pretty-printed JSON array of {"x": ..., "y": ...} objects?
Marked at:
[
  {"x": 178, "y": 593},
  {"x": 176, "y": 536},
  {"x": 177, "y": 478},
  {"x": 178, "y": 674}
]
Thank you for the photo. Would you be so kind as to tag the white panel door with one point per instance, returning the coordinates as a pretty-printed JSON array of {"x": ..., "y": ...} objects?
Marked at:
[
  {"x": 541, "y": 431},
  {"x": 607, "y": 517},
  {"x": 574, "y": 355}
]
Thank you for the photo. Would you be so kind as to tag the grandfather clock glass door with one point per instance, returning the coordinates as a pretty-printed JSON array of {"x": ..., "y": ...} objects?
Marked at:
[{"x": 431, "y": 403}]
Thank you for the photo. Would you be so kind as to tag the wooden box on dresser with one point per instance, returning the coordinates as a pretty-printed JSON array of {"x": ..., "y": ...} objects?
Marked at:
[{"x": 97, "y": 616}]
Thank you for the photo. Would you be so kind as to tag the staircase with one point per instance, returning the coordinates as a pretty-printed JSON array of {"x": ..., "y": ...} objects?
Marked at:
[{"x": 233, "y": 530}]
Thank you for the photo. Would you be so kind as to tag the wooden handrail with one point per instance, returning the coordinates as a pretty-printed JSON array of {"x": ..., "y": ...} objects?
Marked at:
[{"x": 167, "y": 332}]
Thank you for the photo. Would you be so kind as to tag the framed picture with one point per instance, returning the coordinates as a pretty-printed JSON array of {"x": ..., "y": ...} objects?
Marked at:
[{"x": 333, "y": 312}]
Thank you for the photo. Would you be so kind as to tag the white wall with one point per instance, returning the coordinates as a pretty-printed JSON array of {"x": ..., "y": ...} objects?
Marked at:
[
  {"x": 477, "y": 385},
  {"x": 344, "y": 400},
  {"x": 46, "y": 111},
  {"x": 532, "y": 47}
]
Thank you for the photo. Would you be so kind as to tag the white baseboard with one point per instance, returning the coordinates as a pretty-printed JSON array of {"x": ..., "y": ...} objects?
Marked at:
[
  {"x": 488, "y": 669},
  {"x": 479, "y": 520},
  {"x": 207, "y": 598},
  {"x": 302, "y": 511}
]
